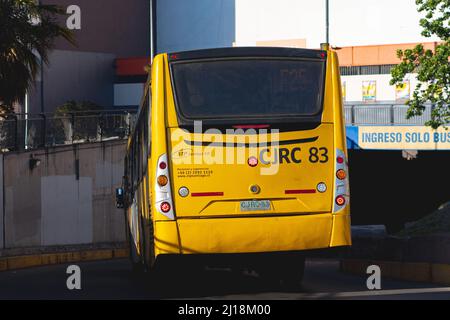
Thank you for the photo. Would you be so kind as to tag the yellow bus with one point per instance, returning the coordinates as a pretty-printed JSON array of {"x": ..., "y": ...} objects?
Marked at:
[{"x": 239, "y": 152}]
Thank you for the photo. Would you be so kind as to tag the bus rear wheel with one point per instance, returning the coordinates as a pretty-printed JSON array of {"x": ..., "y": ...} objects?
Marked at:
[
  {"x": 137, "y": 266},
  {"x": 284, "y": 270}
]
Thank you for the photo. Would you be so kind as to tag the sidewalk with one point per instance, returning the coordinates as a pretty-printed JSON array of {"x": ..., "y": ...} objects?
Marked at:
[
  {"x": 20, "y": 258},
  {"x": 420, "y": 258}
]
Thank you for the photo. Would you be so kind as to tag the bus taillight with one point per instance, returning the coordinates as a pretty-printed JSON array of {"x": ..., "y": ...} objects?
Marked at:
[
  {"x": 162, "y": 165},
  {"x": 165, "y": 207},
  {"x": 341, "y": 186},
  {"x": 341, "y": 174},
  {"x": 162, "y": 180},
  {"x": 340, "y": 200},
  {"x": 163, "y": 192}
]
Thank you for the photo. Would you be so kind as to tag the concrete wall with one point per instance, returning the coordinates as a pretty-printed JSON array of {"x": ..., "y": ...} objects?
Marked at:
[
  {"x": 128, "y": 94},
  {"x": 112, "y": 26},
  {"x": 1, "y": 203},
  {"x": 195, "y": 24},
  {"x": 75, "y": 75},
  {"x": 79, "y": 76},
  {"x": 68, "y": 199}
]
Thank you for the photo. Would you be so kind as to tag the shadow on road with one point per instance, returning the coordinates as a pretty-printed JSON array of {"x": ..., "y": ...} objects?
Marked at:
[
  {"x": 114, "y": 279},
  {"x": 202, "y": 281}
]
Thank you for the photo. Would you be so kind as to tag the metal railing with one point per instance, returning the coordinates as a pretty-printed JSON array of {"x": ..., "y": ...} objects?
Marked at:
[
  {"x": 32, "y": 131},
  {"x": 383, "y": 114}
]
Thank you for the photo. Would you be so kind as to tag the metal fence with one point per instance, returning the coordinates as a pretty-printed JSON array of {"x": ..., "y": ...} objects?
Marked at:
[
  {"x": 31, "y": 131},
  {"x": 383, "y": 114}
]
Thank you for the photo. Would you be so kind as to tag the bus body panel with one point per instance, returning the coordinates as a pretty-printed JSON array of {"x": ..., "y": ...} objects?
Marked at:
[
  {"x": 217, "y": 223},
  {"x": 246, "y": 234},
  {"x": 287, "y": 175},
  {"x": 252, "y": 234}
]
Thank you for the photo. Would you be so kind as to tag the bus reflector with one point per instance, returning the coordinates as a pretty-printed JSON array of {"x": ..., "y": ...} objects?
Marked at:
[
  {"x": 341, "y": 174},
  {"x": 162, "y": 180},
  {"x": 300, "y": 191},
  {"x": 340, "y": 200},
  {"x": 183, "y": 192},
  {"x": 165, "y": 207},
  {"x": 207, "y": 194},
  {"x": 322, "y": 187}
]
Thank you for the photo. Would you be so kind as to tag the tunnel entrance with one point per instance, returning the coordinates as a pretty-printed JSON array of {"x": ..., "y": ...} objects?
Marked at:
[{"x": 388, "y": 189}]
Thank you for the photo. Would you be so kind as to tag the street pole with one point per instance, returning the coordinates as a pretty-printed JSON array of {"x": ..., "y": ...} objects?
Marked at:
[
  {"x": 42, "y": 78},
  {"x": 25, "y": 142},
  {"x": 42, "y": 86},
  {"x": 327, "y": 19},
  {"x": 153, "y": 30}
]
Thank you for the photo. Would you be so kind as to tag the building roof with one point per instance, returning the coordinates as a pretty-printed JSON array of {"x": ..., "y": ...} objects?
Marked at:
[
  {"x": 376, "y": 54},
  {"x": 348, "y": 57}
]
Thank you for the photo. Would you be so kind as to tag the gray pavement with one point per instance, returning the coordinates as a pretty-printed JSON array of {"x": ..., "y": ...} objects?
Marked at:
[{"x": 114, "y": 280}]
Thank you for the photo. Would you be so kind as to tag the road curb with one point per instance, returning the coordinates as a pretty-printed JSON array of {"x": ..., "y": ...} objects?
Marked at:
[
  {"x": 28, "y": 261},
  {"x": 409, "y": 271},
  {"x": 441, "y": 273}
]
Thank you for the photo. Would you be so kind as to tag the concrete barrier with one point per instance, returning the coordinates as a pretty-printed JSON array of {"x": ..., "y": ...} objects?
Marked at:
[
  {"x": 440, "y": 274},
  {"x": 67, "y": 199},
  {"x": 408, "y": 271},
  {"x": 2, "y": 215},
  {"x": 37, "y": 260}
]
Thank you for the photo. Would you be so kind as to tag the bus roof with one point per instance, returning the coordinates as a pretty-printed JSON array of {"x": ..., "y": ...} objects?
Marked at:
[{"x": 247, "y": 52}]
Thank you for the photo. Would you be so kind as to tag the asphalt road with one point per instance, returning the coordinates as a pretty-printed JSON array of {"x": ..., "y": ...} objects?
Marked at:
[{"x": 114, "y": 280}]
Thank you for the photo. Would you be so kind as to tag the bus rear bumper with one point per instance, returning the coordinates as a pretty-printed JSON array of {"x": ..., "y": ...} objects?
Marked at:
[{"x": 252, "y": 234}]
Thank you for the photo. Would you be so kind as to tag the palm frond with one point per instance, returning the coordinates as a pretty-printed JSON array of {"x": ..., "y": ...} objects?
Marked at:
[{"x": 27, "y": 35}]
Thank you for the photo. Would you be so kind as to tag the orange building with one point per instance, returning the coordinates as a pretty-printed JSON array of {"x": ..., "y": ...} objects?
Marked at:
[
  {"x": 376, "y": 54},
  {"x": 365, "y": 73}
]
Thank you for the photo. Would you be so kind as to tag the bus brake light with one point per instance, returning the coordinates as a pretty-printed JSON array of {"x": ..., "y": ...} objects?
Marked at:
[
  {"x": 165, "y": 207},
  {"x": 340, "y": 200},
  {"x": 252, "y": 162}
]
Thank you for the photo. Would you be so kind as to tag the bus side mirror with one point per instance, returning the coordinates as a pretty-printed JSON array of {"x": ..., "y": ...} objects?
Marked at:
[{"x": 120, "y": 198}]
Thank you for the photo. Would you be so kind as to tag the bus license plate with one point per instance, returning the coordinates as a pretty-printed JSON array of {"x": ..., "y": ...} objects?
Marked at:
[{"x": 255, "y": 205}]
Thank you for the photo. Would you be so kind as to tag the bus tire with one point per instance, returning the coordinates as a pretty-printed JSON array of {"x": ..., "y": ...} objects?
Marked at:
[
  {"x": 137, "y": 267},
  {"x": 149, "y": 247},
  {"x": 293, "y": 273},
  {"x": 284, "y": 269}
]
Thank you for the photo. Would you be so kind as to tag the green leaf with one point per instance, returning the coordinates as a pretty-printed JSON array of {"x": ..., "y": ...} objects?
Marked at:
[
  {"x": 432, "y": 68},
  {"x": 21, "y": 37}
]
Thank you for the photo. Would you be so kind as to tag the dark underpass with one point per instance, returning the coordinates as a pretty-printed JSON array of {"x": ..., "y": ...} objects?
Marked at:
[{"x": 388, "y": 189}]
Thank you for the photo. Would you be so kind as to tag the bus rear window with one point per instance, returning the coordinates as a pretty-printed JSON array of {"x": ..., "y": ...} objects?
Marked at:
[{"x": 248, "y": 88}]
